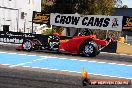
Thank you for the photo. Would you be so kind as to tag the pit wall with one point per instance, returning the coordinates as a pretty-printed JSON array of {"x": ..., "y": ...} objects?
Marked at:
[
  {"x": 118, "y": 47},
  {"x": 124, "y": 48}
]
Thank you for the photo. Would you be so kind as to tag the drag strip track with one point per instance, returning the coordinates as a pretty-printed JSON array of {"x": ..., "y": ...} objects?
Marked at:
[
  {"x": 102, "y": 56},
  {"x": 14, "y": 82},
  {"x": 27, "y": 78},
  {"x": 21, "y": 78},
  {"x": 65, "y": 64}
]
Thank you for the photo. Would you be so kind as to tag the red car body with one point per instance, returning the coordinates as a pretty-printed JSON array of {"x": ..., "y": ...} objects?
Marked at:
[
  {"x": 73, "y": 45},
  {"x": 85, "y": 44}
]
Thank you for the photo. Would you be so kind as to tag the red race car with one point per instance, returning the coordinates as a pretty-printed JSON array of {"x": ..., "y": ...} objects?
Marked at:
[{"x": 84, "y": 43}]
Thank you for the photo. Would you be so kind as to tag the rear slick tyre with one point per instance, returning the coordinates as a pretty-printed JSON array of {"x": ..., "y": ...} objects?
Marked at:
[
  {"x": 27, "y": 45},
  {"x": 89, "y": 49}
]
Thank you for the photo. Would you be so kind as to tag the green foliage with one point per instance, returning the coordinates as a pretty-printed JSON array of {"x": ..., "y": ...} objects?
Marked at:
[
  {"x": 102, "y": 34},
  {"x": 47, "y": 32},
  {"x": 58, "y": 30},
  {"x": 118, "y": 3},
  {"x": 84, "y": 7},
  {"x": 54, "y": 30},
  {"x": 88, "y": 7}
]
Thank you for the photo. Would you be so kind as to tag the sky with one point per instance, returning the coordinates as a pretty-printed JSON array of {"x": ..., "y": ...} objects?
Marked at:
[{"x": 128, "y": 3}]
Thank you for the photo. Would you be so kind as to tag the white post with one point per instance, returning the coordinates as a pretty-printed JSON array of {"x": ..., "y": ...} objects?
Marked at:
[
  {"x": 107, "y": 33},
  {"x": 126, "y": 38}
]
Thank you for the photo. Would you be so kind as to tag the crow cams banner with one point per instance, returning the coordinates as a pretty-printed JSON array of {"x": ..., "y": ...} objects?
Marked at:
[{"x": 87, "y": 21}]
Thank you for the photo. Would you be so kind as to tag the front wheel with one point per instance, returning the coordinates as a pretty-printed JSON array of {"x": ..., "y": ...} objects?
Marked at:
[
  {"x": 27, "y": 45},
  {"x": 89, "y": 48}
]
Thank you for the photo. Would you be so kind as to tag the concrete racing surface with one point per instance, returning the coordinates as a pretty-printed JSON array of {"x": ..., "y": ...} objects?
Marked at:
[
  {"x": 66, "y": 64},
  {"x": 20, "y": 71}
]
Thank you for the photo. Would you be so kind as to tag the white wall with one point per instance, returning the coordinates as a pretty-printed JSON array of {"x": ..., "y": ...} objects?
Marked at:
[{"x": 10, "y": 13}]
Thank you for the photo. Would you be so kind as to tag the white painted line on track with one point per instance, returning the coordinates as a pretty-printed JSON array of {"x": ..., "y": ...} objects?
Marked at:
[
  {"x": 53, "y": 69},
  {"x": 12, "y": 53},
  {"x": 104, "y": 62},
  {"x": 36, "y": 67},
  {"x": 93, "y": 61},
  {"x": 39, "y": 59},
  {"x": 21, "y": 54},
  {"x": 101, "y": 62},
  {"x": 31, "y": 55},
  {"x": 88, "y": 73},
  {"x": 83, "y": 60},
  {"x": 5, "y": 64},
  {"x": 51, "y": 57},
  {"x": 73, "y": 59},
  {"x": 64, "y": 70},
  {"x": 120, "y": 64},
  {"x": 110, "y": 76},
  {"x": 44, "y": 68},
  {"x": 3, "y": 52},
  {"x": 26, "y": 54},
  {"x": 19, "y": 64},
  {"x": 63, "y": 58},
  {"x": 26, "y": 66},
  {"x": 43, "y": 56}
]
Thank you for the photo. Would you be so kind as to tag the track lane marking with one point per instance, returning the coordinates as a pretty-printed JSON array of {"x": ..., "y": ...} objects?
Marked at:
[
  {"x": 68, "y": 58},
  {"x": 21, "y": 64},
  {"x": 78, "y": 72}
]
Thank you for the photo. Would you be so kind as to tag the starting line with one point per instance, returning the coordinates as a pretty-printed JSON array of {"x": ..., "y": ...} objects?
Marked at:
[{"x": 65, "y": 64}]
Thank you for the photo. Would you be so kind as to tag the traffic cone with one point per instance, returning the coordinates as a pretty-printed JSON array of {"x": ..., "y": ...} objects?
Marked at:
[
  {"x": 83, "y": 73},
  {"x": 86, "y": 75}
]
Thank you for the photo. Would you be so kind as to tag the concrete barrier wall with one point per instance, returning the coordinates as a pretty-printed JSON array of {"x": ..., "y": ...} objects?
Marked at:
[
  {"x": 124, "y": 48},
  {"x": 111, "y": 48}
]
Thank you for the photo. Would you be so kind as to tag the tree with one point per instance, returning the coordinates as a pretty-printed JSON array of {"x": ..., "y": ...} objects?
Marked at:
[
  {"x": 118, "y": 3},
  {"x": 47, "y": 6},
  {"x": 84, "y": 7},
  {"x": 89, "y": 7},
  {"x": 124, "y": 6}
]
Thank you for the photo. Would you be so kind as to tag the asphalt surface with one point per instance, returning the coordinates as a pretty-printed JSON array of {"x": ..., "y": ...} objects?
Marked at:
[{"x": 20, "y": 77}]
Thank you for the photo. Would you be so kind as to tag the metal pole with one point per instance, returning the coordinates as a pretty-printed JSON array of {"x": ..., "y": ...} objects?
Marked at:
[
  {"x": 126, "y": 38},
  {"x": 24, "y": 25},
  {"x": 32, "y": 26},
  {"x": 18, "y": 22},
  {"x": 107, "y": 33}
]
